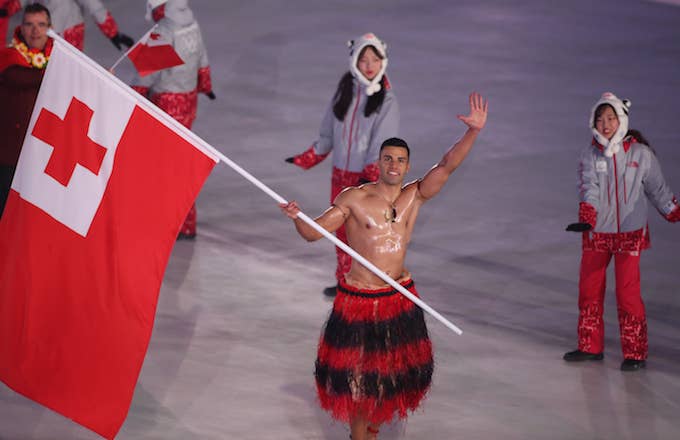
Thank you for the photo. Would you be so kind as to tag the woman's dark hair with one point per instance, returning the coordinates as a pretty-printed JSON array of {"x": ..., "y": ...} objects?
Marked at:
[
  {"x": 639, "y": 137},
  {"x": 345, "y": 90},
  {"x": 35, "y": 8},
  {"x": 631, "y": 132}
]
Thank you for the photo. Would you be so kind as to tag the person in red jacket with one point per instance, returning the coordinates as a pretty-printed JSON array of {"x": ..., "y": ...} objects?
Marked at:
[
  {"x": 22, "y": 66},
  {"x": 175, "y": 90}
]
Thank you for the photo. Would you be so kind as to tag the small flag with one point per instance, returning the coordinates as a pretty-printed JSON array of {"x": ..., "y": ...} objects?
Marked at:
[{"x": 152, "y": 53}]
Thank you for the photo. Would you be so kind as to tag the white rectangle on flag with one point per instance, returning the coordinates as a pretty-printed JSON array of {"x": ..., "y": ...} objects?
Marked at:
[{"x": 75, "y": 203}]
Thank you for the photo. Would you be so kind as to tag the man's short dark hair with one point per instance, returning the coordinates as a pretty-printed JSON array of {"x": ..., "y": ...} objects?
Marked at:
[
  {"x": 396, "y": 142},
  {"x": 36, "y": 8}
]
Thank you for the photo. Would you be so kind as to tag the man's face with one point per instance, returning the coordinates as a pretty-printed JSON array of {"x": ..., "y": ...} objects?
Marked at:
[
  {"x": 393, "y": 165},
  {"x": 34, "y": 29}
]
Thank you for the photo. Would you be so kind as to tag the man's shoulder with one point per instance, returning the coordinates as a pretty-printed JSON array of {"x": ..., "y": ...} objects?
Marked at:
[
  {"x": 411, "y": 188},
  {"x": 353, "y": 193}
]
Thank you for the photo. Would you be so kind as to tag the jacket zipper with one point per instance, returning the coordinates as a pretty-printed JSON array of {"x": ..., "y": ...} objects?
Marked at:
[
  {"x": 351, "y": 127},
  {"x": 616, "y": 186}
]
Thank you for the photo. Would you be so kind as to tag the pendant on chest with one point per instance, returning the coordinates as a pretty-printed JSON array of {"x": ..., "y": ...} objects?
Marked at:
[{"x": 391, "y": 214}]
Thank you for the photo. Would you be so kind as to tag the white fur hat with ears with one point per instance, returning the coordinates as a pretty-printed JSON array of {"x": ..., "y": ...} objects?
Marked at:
[
  {"x": 620, "y": 106},
  {"x": 151, "y": 5},
  {"x": 355, "y": 48}
]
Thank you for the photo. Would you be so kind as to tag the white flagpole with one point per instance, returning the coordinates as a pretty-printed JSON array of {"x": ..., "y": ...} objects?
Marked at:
[
  {"x": 370, "y": 266},
  {"x": 210, "y": 151},
  {"x": 143, "y": 38}
]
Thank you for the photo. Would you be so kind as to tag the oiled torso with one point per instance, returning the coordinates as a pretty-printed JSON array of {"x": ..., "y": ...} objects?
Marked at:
[{"x": 379, "y": 230}]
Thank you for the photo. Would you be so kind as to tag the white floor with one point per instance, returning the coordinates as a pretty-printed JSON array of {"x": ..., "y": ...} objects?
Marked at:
[{"x": 240, "y": 310}]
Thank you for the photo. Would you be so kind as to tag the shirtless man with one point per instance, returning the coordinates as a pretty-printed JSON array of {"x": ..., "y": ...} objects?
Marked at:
[{"x": 375, "y": 356}]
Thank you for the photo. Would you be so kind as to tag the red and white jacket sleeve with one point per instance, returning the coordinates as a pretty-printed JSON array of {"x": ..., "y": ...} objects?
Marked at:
[
  {"x": 674, "y": 213},
  {"x": 204, "y": 76},
  {"x": 320, "y": 149},
  {"x": 588, "y": 188},
  {"x": 101, "y": 15},
  {"x": 658, "y": 192}
]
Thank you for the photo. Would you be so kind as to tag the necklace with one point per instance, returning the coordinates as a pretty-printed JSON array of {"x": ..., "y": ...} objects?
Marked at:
[
  {"x": 391, "y": 212},
  {"x": 36, "y": 58}
]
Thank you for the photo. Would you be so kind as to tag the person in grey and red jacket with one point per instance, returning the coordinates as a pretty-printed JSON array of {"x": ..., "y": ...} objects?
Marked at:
[
  {"x": 618, "y": 174},
  {"x": 362, "y": 114},
  {"x": 69, "y": 22},
  {"x": 175, "y": 90}
]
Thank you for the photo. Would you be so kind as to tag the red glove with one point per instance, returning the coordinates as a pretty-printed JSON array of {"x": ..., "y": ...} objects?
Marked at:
[
  {"x": 307, "y": 159},
  {"x": 674, "y": 215},
  {"x": 587, "y": 214}
]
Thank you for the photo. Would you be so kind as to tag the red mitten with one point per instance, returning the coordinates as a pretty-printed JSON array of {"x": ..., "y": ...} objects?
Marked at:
[
  {"x": 587, "y": 214},
  {"x": 307, "y": 159},
  {"x": 204, "y": 80},
  {"x": 674, "y": 215}
]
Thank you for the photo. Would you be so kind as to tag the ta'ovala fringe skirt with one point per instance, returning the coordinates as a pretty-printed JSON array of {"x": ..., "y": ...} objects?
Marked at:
[{"x": 375, "y": 356}]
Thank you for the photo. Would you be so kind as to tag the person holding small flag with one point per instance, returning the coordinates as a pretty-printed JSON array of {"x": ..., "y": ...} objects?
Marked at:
[
  {"x": 175, "y": 90},
  {"x": 22, "y": 66}
]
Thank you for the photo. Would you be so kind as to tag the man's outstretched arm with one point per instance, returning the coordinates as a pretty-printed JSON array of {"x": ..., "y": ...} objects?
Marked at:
[
  {"x": 330, "y": 220},
  {"x": 435, "y": 179}
]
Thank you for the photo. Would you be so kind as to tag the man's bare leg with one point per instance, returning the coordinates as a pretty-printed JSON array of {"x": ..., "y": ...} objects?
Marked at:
[
  {"x": 372, "y": 431},
  {"x": 362, "y": 430},
  {"x": 358, "y": 427}
]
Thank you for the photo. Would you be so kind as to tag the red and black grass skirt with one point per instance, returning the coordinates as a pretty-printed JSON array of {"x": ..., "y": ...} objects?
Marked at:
[{"x": 375, "y": 356}]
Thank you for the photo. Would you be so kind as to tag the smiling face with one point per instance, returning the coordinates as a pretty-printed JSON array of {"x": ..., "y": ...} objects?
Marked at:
[
  {"x": 34, "y": 29},
  {"x": 606, "y": 121},
  {"x": 393, "y": 164},
  {"x": 369, "y": 63}
]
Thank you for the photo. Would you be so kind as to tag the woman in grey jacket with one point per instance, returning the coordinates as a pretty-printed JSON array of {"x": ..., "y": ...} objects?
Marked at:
[
  {"x": 618, "y": 173},
  {"x": 362, "y": 114}
]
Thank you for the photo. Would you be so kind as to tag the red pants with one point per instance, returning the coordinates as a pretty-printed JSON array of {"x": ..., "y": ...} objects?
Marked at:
[
  {"x": 631, "y": 309},
  {"x": 182, "y": 107}
]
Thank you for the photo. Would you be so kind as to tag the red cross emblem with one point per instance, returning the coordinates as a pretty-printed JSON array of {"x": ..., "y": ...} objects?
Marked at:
[{"x": 69, "y": 139}]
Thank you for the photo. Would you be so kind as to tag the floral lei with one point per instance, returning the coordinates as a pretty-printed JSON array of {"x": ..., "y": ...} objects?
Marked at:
[{"x": 34, "y": 57}]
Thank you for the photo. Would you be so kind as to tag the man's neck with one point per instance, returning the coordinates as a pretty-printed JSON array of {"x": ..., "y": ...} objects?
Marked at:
[{"x": 387, "y": 190}]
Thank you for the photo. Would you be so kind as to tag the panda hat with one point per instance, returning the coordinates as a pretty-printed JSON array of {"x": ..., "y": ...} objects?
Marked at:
[
  {"x": 355, "y": 48},
  {"x": 620, "y": 106}
]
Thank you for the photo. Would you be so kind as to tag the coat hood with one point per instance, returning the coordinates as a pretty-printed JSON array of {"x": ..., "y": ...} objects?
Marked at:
[
  {"x": 356, "y": 46},
  {"x": 613, "y": 145}
]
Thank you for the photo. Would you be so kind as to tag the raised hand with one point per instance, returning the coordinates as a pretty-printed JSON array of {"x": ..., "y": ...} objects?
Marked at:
[{"x": 479, "y": 108}]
